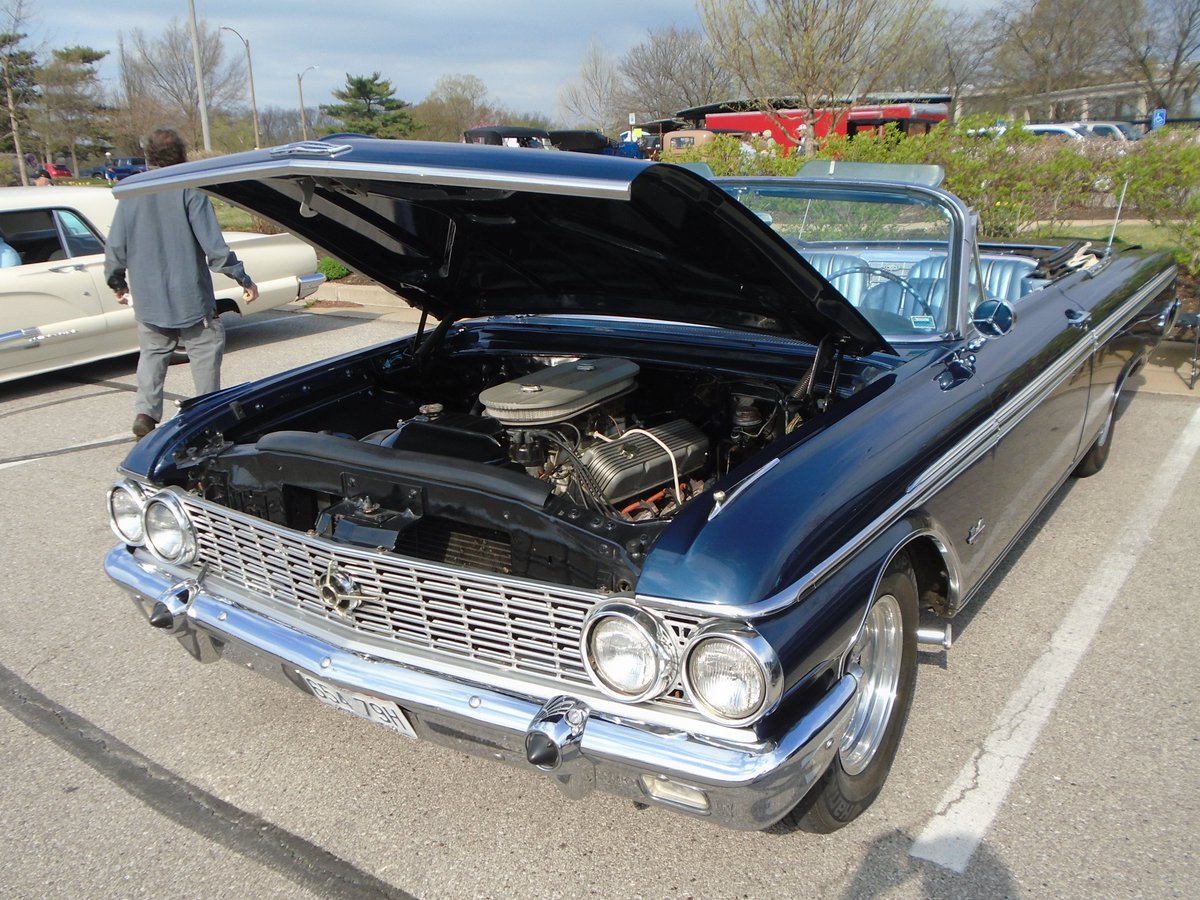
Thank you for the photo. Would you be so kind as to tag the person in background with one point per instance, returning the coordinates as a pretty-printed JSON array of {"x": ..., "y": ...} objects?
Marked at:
[
  {"x": 160, "y": 250},
  {"x": 42, "y": 178},
  {"x": 8, "y": 256}
]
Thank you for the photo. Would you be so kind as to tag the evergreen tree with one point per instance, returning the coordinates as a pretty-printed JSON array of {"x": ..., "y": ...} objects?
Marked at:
[
  {"x": 369, "y": 106},
  {"x": 70, "y": 111}
]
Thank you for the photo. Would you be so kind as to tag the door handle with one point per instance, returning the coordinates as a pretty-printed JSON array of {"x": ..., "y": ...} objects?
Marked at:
[
  {"x": 1077, "y": 318},
  {"x": 75, "y": 267}
]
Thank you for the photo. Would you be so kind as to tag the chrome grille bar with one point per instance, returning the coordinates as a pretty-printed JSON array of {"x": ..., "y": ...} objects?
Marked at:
[{"x": 487, "y": 618}]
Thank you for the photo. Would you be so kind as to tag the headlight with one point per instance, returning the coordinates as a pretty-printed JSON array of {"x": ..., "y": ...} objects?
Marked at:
[
  {"x": 630, "y": 654},
  {"x": 732, "y": 674},
  {"x": 125, "y": 503},
  {"x": 169, "y": 533}
]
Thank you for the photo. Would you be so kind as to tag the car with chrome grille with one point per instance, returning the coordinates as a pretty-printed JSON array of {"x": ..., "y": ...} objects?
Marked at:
[
  {"x": 671, "y": 483},
  {"x": 57, "y": 311}
]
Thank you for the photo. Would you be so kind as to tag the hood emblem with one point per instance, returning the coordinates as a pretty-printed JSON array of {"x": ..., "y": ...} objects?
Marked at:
[
  {"x": 316, "y": 149},
  {"x": 338, "y": 590}
]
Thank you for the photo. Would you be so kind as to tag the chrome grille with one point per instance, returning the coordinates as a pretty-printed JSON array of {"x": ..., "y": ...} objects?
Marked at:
[{"x": 484, "y": 617}]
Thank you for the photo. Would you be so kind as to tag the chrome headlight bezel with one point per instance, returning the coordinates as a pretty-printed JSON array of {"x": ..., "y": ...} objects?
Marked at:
[
  {"x": 660, "y": 641},
  {"x": 169, "y": 502},
  {"x": 757, "y": 650},
  {"x": 135, "y": 494}
]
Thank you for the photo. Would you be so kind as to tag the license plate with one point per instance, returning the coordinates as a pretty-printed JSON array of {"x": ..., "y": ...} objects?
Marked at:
[{"x": 381, "y": 712}]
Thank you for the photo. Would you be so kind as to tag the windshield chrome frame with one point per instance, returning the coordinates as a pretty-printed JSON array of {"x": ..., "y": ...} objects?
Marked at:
[{"x": 960, "y": 245}]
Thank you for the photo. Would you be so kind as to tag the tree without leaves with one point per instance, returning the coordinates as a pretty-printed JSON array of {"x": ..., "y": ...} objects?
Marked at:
[
  {"x": 594, "y": 99},
  {"x": 369, "y": 106},
  {"x": 159, "y": 72},
  {"x": 456, "y": 103},
  {"x": 1049, "y": 45},
  {"x": 672, "y": 69},
  {"x": 809, "y": 51},
  {"x": 949, "y": 54},
  {"x": 1160, "y": 42}
]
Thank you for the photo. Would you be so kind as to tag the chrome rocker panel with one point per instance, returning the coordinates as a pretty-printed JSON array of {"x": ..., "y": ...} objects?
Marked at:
[{"x": 747, "y": 786}]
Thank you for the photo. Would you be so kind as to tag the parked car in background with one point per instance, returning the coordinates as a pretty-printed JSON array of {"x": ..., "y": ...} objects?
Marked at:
[
  {"x": 56, "y": 170},
  {"x": 56, "y": 309},
  {"x": 1113, "y": 131},
  {"x": 1059, "y": 131},
  {"x": 116, "y": 168},
  {"x": 509, "y": 136},
  {"x": 656, "y": 504}
]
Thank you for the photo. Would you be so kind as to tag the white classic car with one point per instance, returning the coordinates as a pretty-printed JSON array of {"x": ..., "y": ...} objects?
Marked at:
[{"x": 55, "y": 308}]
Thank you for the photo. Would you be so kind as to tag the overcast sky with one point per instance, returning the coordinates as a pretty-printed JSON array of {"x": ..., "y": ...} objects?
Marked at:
[{"x": 524, "y": 50}]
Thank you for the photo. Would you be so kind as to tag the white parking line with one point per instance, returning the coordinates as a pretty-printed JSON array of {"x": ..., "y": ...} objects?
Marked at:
[
  {"x": 122, "y": 438},
  {"x": 971, "y": 803}
]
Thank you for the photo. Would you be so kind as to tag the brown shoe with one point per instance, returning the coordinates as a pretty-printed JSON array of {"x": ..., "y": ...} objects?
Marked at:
[{"x": 142, "y": 425}]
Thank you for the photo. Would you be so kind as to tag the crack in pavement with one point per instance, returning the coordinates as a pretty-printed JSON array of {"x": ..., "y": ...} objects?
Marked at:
[{"x": 254, "y": 838}]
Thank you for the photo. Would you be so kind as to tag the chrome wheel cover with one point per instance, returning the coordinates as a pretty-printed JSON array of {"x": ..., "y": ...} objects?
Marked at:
[{"x": 879, "y": 652}]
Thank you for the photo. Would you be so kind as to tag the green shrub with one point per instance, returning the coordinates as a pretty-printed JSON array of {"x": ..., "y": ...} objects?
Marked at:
[
  {"x": 1163, "y": 174},
  {"x": 332, "y": 269}
]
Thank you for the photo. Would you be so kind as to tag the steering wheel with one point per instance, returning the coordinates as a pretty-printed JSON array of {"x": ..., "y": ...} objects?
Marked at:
[{"x": 905, "y": 285}]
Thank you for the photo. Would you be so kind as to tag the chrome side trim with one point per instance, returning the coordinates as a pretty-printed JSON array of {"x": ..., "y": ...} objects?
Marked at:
[
  {"x": 960, "y": 458},
  {"x": 294, "y": 167}
]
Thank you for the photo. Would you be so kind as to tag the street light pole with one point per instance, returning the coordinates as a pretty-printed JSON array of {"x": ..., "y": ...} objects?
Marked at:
[
  {"x": 300, "y": 88},
  {"x": 250, "y": 70},
  {"x": 199, "y": 77}
]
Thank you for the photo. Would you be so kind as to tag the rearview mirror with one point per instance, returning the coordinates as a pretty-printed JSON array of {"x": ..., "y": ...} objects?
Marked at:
[{"x": 995, "y": 318}]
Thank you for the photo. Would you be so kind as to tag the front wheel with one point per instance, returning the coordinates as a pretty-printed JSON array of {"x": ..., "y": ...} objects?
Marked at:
[
  {"x": 1093, "y": 461},
  {"x": 886, "y": 653}
]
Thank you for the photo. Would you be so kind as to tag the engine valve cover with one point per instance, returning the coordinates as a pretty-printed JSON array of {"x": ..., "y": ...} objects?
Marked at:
[{"x": 635, "y": 465}]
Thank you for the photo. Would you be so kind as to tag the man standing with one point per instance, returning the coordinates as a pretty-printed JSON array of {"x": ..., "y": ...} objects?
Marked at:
[{"x": 167, "y": 242}]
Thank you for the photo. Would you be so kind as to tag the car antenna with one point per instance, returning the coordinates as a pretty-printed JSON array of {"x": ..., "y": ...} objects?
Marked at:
[{"x": 1116, "y": 220}]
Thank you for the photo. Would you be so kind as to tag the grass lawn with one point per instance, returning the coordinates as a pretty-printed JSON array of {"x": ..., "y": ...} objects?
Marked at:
[
  {"x": 231, "y": 218},
  {"x": 1141, "y": 233}
]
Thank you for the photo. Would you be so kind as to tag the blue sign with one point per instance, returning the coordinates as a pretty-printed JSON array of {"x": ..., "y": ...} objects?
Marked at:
[{"x": 1158, "y": 119}]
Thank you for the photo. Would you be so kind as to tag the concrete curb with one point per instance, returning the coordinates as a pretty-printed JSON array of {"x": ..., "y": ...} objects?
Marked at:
[{"x": 365, "y": 294}]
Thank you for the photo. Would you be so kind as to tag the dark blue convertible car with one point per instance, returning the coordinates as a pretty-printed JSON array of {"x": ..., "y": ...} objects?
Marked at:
[{"x": 655, "y": 498}]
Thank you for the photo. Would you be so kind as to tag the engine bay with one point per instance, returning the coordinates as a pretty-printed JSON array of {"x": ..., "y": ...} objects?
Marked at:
[{"x": 563, "y": 469}]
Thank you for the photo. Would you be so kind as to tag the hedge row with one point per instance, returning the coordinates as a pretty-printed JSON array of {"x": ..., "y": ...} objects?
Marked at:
[{"x": 1021, "y": 183}]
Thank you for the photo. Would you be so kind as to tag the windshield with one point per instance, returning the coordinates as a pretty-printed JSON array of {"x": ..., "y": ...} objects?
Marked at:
[{"x": 885, "y": 251}]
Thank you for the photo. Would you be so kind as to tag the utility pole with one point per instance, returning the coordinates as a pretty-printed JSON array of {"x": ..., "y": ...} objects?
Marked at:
[
  {"x": 250, "y": 70},
  {"x": 300, "y": 88},
  {"x": 199, "y": 77}
]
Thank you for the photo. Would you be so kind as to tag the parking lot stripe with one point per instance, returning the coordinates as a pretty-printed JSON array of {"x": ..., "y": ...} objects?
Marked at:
[{"x": 971, "y": 803}]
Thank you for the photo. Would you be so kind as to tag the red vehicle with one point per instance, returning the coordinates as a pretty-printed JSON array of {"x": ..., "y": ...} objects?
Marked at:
[
  {"x": 58, "y": 171},
  {"x": 790, "y": 127}
]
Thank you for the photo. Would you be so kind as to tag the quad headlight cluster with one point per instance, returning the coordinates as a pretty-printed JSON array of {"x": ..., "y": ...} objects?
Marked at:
[
  {"x": 156, "y": 521},
  {"x": 730, "y": 673}
]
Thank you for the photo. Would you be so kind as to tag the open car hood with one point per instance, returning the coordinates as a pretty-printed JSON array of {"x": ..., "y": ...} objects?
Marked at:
[{"x": 465, "y": 230}]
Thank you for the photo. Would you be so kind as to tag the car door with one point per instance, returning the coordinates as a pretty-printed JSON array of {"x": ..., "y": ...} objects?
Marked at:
[
  {"x": 1038, "y": 377},
  {"x": 55, "y": 309}
]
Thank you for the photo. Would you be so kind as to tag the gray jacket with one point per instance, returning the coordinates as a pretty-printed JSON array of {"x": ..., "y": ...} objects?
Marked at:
[{"x": 168, "y": 242}]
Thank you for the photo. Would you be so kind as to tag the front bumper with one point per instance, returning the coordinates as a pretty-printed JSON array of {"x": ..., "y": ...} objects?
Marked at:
[{"x": 744, "y": 786}]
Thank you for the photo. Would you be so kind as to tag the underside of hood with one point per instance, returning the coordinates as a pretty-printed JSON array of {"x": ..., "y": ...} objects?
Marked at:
[{"x": 463, "y": 231}]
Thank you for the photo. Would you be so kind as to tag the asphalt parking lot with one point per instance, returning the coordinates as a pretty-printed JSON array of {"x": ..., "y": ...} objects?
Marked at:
[{"x": 1054, "y": 752}]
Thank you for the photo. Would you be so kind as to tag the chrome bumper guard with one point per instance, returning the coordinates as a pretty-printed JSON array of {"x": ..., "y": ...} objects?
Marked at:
[
  {"x": 746, "y": 787},
  {"x": 308, "y": 285}
]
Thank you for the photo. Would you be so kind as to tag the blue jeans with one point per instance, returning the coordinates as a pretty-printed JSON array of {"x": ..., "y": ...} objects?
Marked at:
[{"x": 205, "y": 343}]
